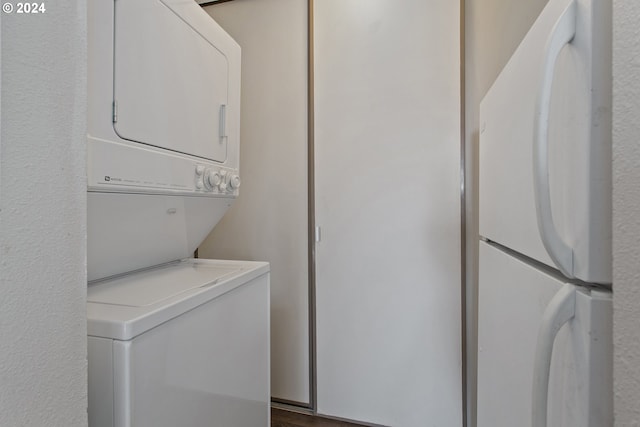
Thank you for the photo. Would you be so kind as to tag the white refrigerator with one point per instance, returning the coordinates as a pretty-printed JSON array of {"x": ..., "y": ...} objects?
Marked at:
[{"x": 545, "y": 313}]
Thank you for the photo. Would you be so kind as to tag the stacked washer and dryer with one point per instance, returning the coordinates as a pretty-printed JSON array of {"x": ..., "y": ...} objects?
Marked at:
[{"x": 173, "y": 341}]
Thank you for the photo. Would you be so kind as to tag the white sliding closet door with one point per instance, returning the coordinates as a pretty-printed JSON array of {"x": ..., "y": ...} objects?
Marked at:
[
  {"x": 268, "y": 222},
  {"x": 387, "y": 163}
]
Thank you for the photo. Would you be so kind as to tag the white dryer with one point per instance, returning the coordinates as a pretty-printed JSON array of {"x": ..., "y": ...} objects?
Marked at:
[
  {"x": 172, "y": 341},
  {"x": 163, "y": 131}
]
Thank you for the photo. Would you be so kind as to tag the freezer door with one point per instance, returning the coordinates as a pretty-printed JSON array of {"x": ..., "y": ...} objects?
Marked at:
[
  {"x": 564, "y": 190},
  {"x": 513, "y": 297}
]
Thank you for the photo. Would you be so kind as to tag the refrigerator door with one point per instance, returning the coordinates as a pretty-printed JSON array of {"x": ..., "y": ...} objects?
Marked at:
[
  {"x": 513, "y": 297},
  {"x": 545, "y": 131}
]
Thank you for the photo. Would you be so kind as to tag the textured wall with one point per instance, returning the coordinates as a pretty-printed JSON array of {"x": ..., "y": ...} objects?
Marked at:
[
  {"x": 42, "y": 218},
  {"x": 626, "y": 211}
]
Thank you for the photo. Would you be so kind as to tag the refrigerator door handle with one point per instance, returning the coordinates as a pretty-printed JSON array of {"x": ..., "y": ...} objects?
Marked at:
[
  {"x": 560, "y": 310},
  {"x": 561, "y": 253}
]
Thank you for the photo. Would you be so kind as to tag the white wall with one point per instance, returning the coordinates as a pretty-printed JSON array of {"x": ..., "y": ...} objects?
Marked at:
[
  {"x": 42, "y": 218},
  {"x": 626, "y": 212},
  {"x": 268, "y": 222}
]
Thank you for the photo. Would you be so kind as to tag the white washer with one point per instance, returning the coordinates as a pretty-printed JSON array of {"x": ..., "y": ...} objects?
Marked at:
[{"x": 183, "y": 344}]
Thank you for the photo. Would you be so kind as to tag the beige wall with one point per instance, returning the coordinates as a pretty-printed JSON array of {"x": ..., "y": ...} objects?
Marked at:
[
  {"x": 493, "y": 30},
  {"x": 626, "y": 212},
  {"x": 268, "y": 222},
  {"x": 43, "y": 281}
]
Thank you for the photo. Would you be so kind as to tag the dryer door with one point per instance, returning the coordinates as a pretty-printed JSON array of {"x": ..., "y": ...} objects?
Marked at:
[{"x": 171, "y": 77}]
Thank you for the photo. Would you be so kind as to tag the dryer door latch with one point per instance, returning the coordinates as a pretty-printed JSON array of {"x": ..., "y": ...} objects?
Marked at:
[
  {"x": 114, "y": 116},
  {"x": 223, "y": 121}
]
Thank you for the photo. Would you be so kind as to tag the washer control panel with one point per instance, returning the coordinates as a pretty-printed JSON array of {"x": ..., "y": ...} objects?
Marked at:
[
  {"x": 128, "y": 168},
  {"x": 217, "y": 180}
]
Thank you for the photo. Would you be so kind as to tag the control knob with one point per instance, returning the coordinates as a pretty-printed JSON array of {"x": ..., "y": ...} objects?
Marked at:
[
  {"x": 211, "y": 179},
  {"x": 234, "y": 182}
]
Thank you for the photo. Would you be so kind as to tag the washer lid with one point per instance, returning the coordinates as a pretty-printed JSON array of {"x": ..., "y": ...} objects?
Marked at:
[
  {"x": 124, "y": 307},
  {"x": 153, "y": 286},
  {"x": 171, "y": 77}
]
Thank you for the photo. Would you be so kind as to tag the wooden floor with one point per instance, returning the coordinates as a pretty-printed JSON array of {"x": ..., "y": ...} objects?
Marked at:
[{"x": 282, "y": 418}]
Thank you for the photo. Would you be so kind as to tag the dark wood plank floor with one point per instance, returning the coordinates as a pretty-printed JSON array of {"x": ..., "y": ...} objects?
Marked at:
[{"x": 283, "y": 418}]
